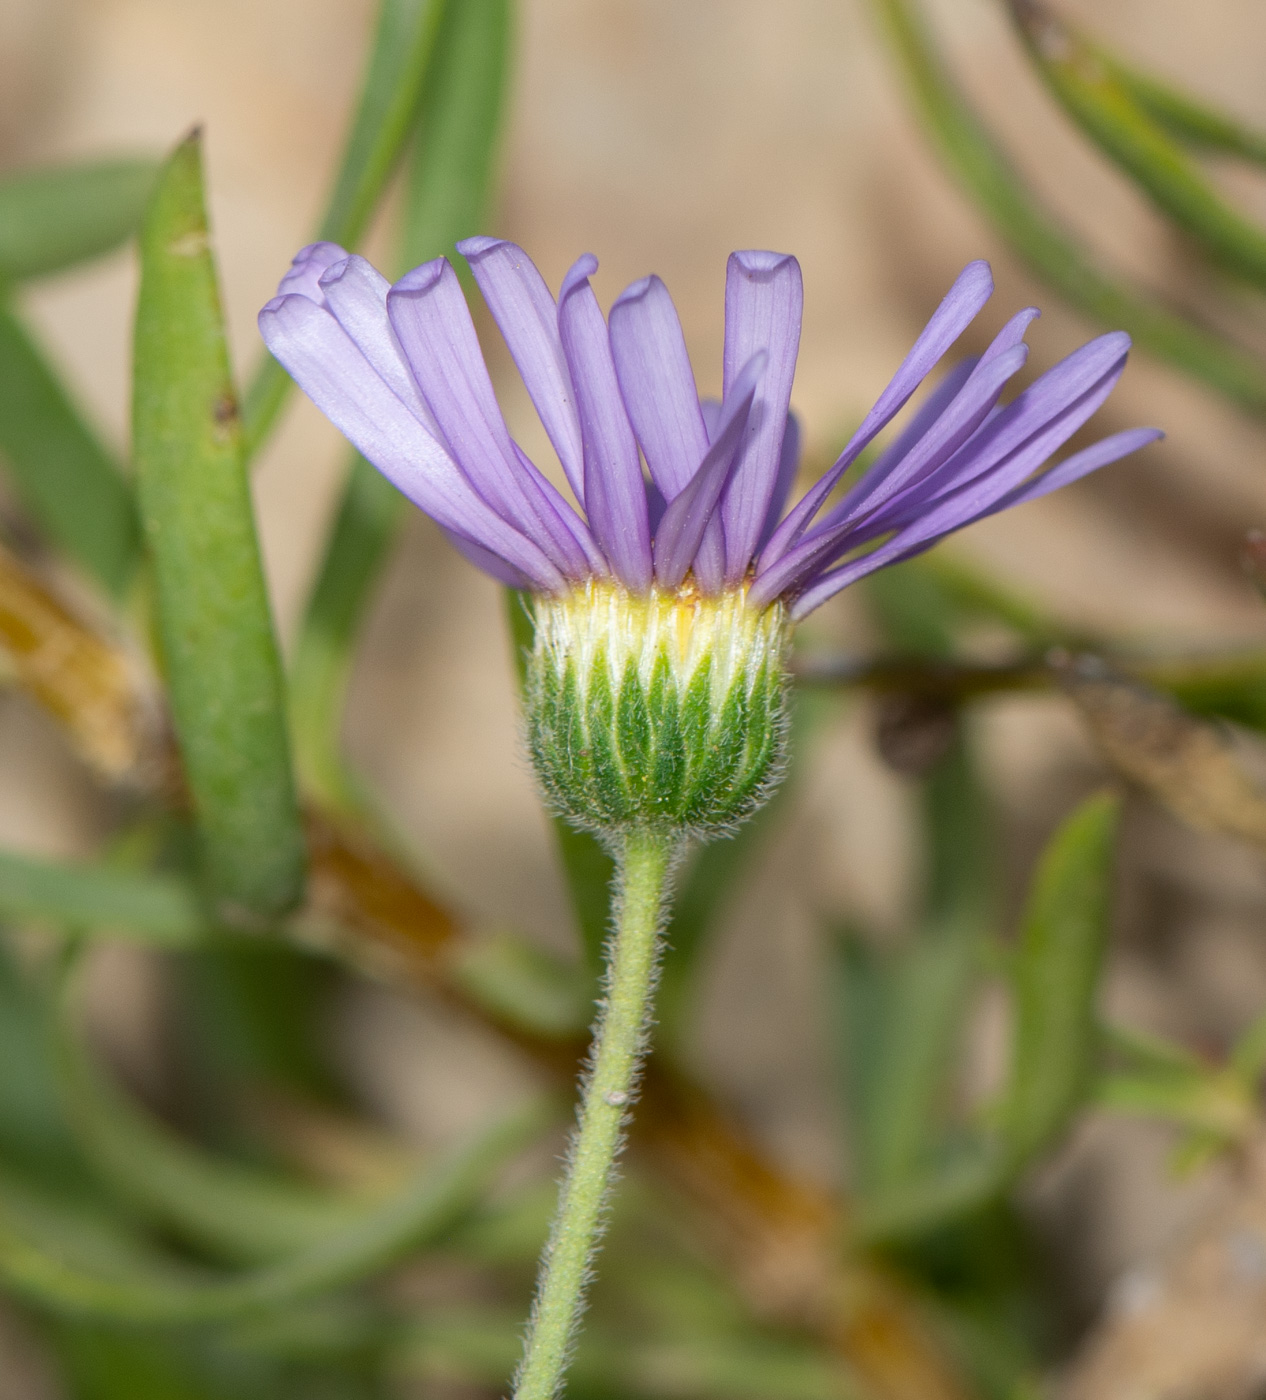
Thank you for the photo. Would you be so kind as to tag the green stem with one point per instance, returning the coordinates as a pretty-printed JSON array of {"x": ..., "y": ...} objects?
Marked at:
[{"x": 644, "y": 861}]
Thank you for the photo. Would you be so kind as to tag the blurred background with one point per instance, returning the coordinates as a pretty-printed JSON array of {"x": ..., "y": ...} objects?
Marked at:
[{"x": 660, "y": 136}]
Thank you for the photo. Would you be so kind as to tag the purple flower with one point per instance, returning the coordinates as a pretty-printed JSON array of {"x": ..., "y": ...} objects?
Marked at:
[{"x": 399, "y": 370}]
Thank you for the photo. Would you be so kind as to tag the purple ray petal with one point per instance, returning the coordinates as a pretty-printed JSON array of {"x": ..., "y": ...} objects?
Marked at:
[
  {"x": 580, "y": 531},
  {"x": 304, "y": 274},
  {"x": 527, "y": 316},
  {"x": 980, "y": 496},
  {"x": 432, "y": 323},
  {"x": 1012, "y": 333},
  {"x": 687, "y": 516},
  {"x": 487, "y": 562},
  {"x": 953, "y": 428},
  {"x": 615, "y": 496},
  {"x": 1043, "y": 402},
  {"x": 764, "y": 301},
  {"x": 788, "y": 466},
  {"x": 658, "y": 385},
  {"x": 355, "y": 293},
  {"x": 1089, "y": 459},
  {"x": 962, "y": 303},
  {"x": 711, "y": 410},
  {"x": 328, "y": 367}
]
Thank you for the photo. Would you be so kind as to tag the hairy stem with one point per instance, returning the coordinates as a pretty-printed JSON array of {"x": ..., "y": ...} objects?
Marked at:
[{"x": 644, "y": 862}]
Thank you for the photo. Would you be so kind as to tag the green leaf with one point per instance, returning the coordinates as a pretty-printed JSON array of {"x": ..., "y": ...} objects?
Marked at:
[
  {"x": 459, "y": 127},
  {"x": 55, "y": 216},
  {"x": 525, "y": 986},
  {"x": 399, "y": 61},
  {"x": 65, "y": 478},
  {"x": 901, "y": 1012},
  {"x": 985, "y": 173},
  {"x": 237, "y": 1213},
  {"x": 1060, "y": 954},
  {"x": 363, "y": 531},
  {"x": 457, "y": 123},
  {"x": 214, "y": 625},
  {"x": 159, "y": 909},
  {"x": 73, "y": 1262},
  {"x": 1102, "y": 106},
  {"x": 1184, "y": 116}
]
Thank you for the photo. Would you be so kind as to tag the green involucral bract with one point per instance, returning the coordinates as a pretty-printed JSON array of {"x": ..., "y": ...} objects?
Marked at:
[{"x": 661, "y": 712}]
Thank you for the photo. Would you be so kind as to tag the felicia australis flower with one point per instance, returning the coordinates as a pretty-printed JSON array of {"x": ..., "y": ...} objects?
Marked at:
[{"x": 664, "y": 596}]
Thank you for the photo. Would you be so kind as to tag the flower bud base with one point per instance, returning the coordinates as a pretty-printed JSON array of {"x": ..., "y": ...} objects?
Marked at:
[{"x": 665, "y": 712}]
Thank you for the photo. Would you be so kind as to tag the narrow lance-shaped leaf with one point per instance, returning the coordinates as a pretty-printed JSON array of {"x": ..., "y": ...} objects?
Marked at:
[
  {"x": 987, "y": 176},
  {"x": 55, "y": 216},
  {"x": 64, "y": 476},
  {"x": 1102, "y": 106},
  {"x": 457, "y": 125},
  {"x": 238, "y": 1213},
  {"x": 214, "y": 626},
  {"x": 55, "y": 1258},
  {"x": 149, "y": 908},
  {"x": 399, "y": 59},
  {"x": 1057, "y": 967},
  {"x": 1183, "y": 116}
]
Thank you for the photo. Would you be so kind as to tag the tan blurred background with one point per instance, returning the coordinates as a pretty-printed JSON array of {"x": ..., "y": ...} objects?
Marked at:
[{"x": 661, "y": 134}]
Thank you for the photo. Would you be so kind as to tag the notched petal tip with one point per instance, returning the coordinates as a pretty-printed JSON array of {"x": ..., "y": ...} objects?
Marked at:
[
  {"x": 421, "y": 279},
  {"x": 760, "y": 263},
  {"x": 636, "y": 291},
  {"x": 480, "y": 243},
  {"x": 577, "y": 274},
  {"x": 336, "y": 271}
]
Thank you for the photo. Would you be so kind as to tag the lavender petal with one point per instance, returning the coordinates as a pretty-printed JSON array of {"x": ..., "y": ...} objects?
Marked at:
[
  {"x": 527, "y": 316},
  {"x": 304, "y": 274},
  {"x": 764, "y": 301},
  {"x": 658, "y": 386},
  {"x": 355, "y": 294},
  {"x": 688, "y": 514},
  {"x": 615, "y": 497},
  {"x": 982, "y": 495},
  {"x": 972, "y": 288},
  {"x": 432, "y": 323},
  {"x": 788, "y": 466},
  {"x": 1089, "y": 459},
  {"x": 327, "y": 366}
]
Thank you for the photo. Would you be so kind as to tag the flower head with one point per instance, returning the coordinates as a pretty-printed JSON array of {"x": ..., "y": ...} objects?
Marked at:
[
  {"x": 656, "y": 560},
  {"x": 399, "y": 370}
]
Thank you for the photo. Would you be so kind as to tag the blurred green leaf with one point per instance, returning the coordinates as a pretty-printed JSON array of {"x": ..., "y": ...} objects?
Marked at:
[
  {"x": 901, "y": 1011},
  {"x": 1102, "y": 106},
  {"x": 362, "y": 533},
  {"x": 65, "y": 478},
  {"x": 34, "y": 1136},
  {"x": 1211, "y": 1102},
  {"x": 525, "y": 986},
  {"x": 1036, "y": 237},
  {"x": 457, "y": 125},
  {"x": 481, "y": 1345},
  {"x": 158, "y": 909},
  {"x": 1183, "y": 116},
  {"x": 1248, "y": 1055},
  {"x": 400, "y": 59},
  {"x": 1060, "y": 953},
  {"x": 69, "y": 1261},
  {"x": 237, "y": 1213},
  {"x": 214, "y": 625},
  {"x": 52, "y": 217}
]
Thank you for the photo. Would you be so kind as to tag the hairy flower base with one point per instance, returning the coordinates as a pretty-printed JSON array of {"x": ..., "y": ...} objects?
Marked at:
[{"x": 664, "y": 711}]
